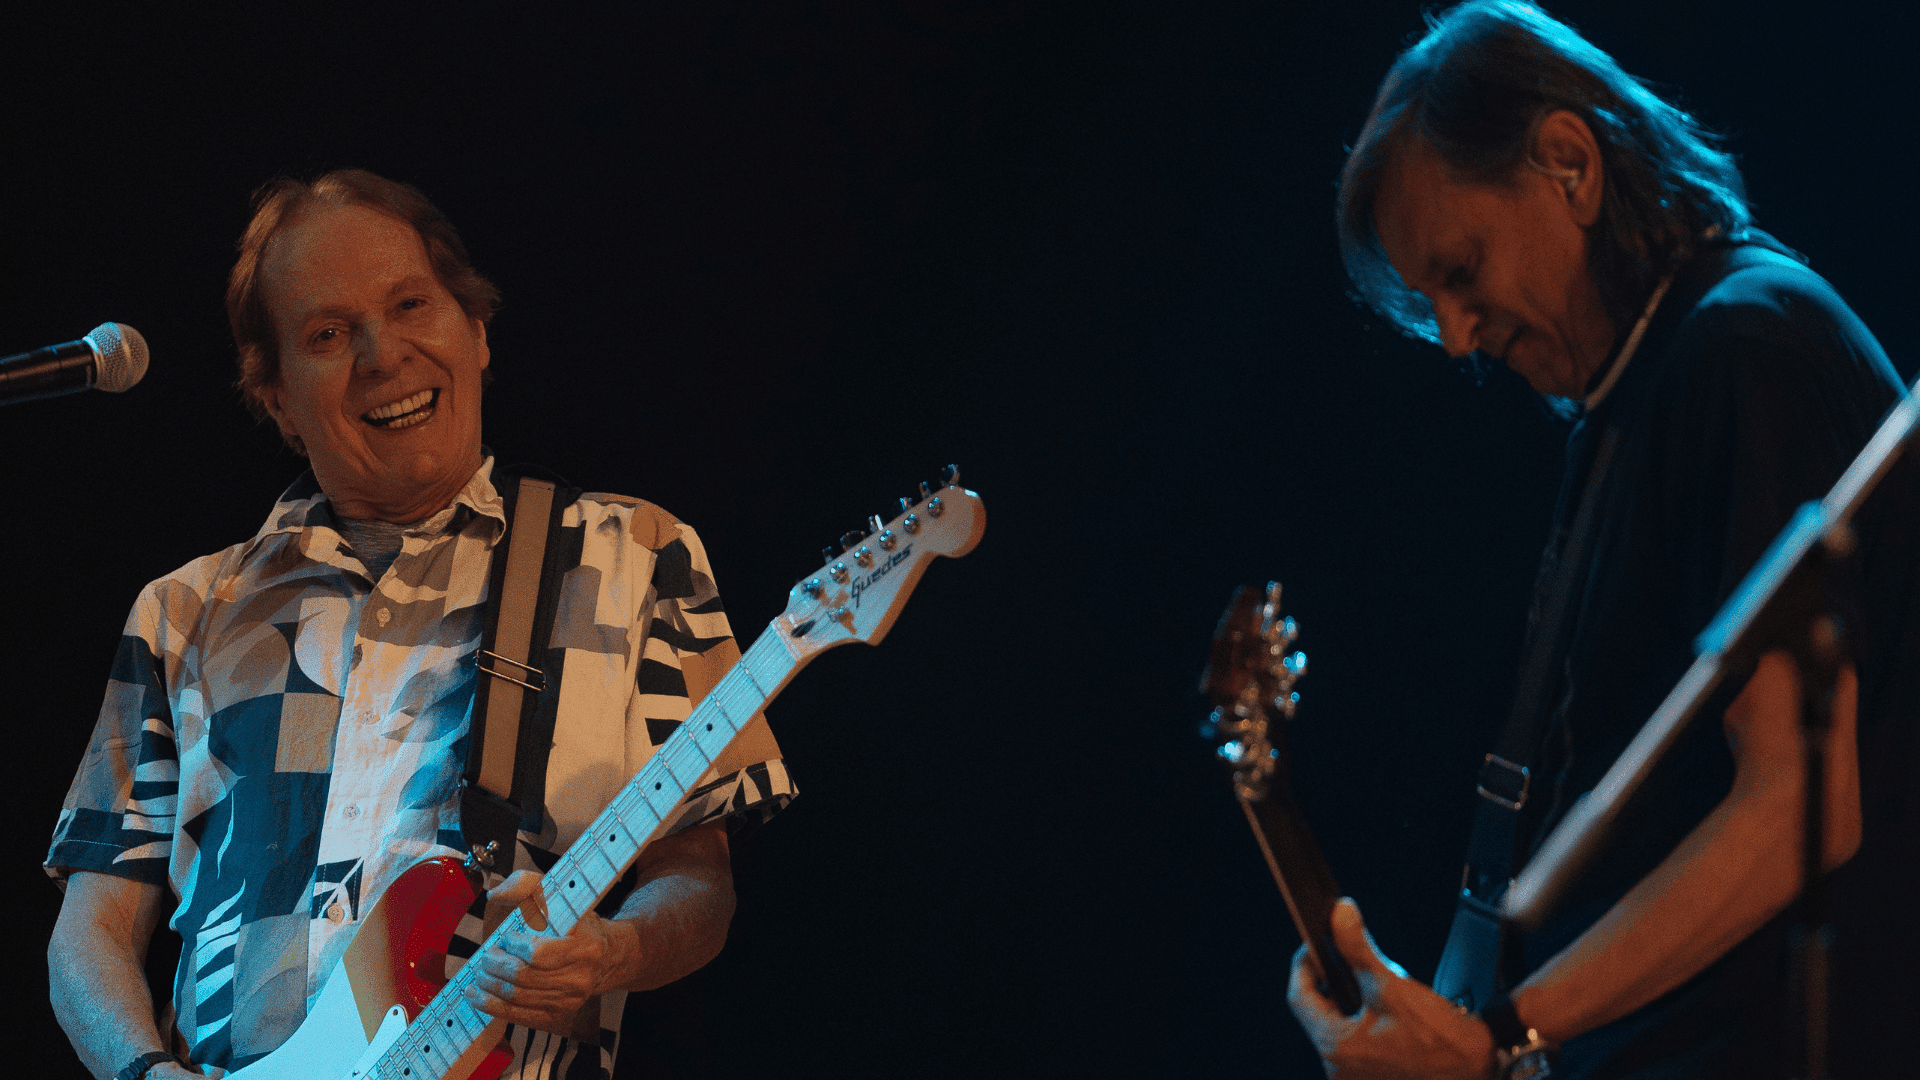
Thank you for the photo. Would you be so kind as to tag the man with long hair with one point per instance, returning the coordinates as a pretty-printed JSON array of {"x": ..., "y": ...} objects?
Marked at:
[{"x": 1516, "y": 196}]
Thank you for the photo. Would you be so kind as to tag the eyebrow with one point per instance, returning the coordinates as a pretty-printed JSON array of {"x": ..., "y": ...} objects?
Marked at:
[{"x": 404, "y": 285}]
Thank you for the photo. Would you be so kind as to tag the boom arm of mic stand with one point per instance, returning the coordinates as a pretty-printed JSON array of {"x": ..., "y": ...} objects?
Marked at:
[{"x": 1573, "y": 842}]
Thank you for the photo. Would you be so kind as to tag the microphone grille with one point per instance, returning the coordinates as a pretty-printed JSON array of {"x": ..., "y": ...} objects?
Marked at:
[{"x": 122, "y": 356}]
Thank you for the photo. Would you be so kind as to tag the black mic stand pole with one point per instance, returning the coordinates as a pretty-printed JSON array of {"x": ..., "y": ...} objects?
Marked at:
[{"x": 1782, "y": 592}]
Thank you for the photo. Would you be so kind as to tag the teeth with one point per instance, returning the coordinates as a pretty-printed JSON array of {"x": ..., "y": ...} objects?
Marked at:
[
  {"x": 401, "y": 407},
  {"x": 408, "y": 420}
]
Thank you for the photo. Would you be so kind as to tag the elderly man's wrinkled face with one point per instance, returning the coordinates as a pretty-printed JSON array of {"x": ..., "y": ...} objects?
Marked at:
[
  {"x": 1505, "y": 267},
  {"x": 379, "y": 366}
]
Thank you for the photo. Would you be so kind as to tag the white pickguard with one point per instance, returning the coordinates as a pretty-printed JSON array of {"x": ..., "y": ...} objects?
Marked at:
[{"x": 330, "y": 1043}]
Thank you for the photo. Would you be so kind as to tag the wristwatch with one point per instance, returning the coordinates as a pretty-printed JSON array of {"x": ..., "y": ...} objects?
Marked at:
[
  {"x": 139, "y": 1067},
  {"x": 1519, "y": 1052}
]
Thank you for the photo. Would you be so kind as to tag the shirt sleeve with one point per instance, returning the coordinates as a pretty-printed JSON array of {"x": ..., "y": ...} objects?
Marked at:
[
  {"x": 688, "y": 647},
  {"x": 118, "y": 817},
  {"x": 1780, "y": 387}
]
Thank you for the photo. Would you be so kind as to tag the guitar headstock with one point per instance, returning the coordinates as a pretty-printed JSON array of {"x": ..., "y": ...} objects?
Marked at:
[
  {"x": 859, "y": 591},
  {"x": 1250, "y": 679}
]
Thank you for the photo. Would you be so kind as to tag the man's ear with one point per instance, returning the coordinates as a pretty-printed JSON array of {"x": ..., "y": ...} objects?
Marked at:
[
  {"x": 1564, "y": 148},
  {"x": 276, "y": 408},
  {"x": 486, "y": 354}
]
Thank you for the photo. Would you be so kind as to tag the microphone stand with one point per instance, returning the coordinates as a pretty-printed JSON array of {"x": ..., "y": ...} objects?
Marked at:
[{"x": 1779, "y": 604}]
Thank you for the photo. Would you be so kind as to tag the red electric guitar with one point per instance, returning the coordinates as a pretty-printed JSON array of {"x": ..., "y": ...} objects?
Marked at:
[
  {"x": 387, "y": 1011},
  {"x": 1250, "y": 680}
]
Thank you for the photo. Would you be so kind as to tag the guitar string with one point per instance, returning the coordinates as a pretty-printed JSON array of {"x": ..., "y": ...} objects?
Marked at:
[{"x": 737, "y": 689}]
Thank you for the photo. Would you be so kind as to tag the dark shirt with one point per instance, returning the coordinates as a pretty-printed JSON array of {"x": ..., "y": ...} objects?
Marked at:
[{"x": 1753, "y": 390}]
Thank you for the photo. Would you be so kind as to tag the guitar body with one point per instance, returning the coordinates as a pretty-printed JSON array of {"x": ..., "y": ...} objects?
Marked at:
[{"x": 394, "y": 966}]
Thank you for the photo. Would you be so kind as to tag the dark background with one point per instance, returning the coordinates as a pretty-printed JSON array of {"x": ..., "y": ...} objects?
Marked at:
[{"x": 770, "y": 265}]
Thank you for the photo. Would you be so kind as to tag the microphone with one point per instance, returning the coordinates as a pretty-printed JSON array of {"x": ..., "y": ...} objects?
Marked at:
[{"x": 112, "y": 358}]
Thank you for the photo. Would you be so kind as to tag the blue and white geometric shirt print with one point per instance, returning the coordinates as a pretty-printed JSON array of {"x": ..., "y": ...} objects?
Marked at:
[{"x": 282, "y": 737}]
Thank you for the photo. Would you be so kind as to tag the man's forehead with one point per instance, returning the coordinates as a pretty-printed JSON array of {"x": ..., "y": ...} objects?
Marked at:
[
  {"x": 333, "y": 250},
  {"x": 1410, "y": 216}
]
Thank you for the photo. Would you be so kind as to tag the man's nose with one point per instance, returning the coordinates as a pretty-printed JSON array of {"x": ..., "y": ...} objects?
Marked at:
[
  {"x": 378, "y": 349},
  {"x": 1459, "y": 327}
]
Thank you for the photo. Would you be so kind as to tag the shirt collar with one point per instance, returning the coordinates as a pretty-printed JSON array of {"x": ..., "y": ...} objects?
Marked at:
[{"x": 304, "y": 508}]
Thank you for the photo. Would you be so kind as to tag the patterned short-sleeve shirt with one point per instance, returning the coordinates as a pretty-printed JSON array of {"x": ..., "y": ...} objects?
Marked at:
[{"x": 283, "y": 736}]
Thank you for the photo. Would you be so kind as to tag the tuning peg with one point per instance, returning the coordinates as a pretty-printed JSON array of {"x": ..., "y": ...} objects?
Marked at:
[
  {"x": 925, "y": 491},
  {"x": 828, "y": 554},
  {"x": 848, "y": 541},
  {"x": 950, "y": 476},
  {"x": 874, "y": 524},
  {"x": 906, "y": 505}
]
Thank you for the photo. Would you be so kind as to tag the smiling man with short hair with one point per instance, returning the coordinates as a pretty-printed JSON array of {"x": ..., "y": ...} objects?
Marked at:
[{"x": 287, "y": 719}]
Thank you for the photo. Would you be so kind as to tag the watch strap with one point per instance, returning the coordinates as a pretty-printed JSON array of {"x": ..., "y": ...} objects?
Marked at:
[
  {"x": 1503, "y": 1020},
  {"x": 139, "y": 1067},
  {"x": 1519, "y": 1052}
]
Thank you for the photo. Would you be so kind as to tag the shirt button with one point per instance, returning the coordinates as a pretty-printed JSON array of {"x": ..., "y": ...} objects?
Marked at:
[
  {"x": 366, "y": 716},
  {"x": 382, "y": 616},
  {"x": 351, "y": 812},
  {"x": 336, "y": 914}
]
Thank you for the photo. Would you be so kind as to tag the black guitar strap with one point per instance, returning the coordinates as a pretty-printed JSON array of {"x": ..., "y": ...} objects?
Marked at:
[
  {"x": 517, "y": 692},
  {"x": 1472, "y": 967}
]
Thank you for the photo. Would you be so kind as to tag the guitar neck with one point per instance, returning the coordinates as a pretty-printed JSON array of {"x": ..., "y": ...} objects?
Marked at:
[
  {"x": 594, "y": 862},
  {"x": 1307, "y": 886},
  {"x": 448, "y": 1027}
]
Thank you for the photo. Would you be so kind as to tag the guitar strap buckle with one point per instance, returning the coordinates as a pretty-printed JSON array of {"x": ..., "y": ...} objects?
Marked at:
[
  {"x": 534, "y": 673},
  {"x": 1504, "y": 783}
]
